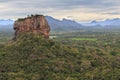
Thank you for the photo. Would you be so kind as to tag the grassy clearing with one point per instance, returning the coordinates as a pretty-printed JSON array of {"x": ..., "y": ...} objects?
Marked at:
[{"x": 84, "y": 39}]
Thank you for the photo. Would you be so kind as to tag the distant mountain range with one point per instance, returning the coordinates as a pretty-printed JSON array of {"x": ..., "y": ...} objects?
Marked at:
[
  {"x": 107, "y": 22},
  {"x": 64, "y": 24},
  {"x": 6, "y": 24},
  {"x": 67, "y": 24}
]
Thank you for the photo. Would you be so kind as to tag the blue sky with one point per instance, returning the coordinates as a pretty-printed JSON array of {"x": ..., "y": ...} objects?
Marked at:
[{"x": 81, "y": 10}]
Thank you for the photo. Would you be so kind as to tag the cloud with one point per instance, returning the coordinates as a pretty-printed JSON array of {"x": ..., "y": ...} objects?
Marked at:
[
  {"x": 20, "y": 8},
  {"x": 112, "y": 13},
  {"x": 62, "y": 4}
]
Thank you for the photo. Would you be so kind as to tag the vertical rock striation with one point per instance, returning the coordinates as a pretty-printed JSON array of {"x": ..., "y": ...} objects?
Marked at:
[{"x": 35, "y": 23}]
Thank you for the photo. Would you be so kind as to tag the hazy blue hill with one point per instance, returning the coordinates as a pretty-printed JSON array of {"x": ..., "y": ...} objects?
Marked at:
[
  {"x": 107, "y": 22},
  {"x": 54, "y": 23},
  {"x": 6, "y": 22},
  {"x": 64, "y": 24}
]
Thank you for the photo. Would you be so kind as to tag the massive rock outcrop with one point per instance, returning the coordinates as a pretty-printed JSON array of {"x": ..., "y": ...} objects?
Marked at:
[{"x": 34, "y": 23}]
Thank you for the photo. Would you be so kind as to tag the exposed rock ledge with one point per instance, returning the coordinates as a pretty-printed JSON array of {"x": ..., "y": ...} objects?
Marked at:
[{"x": 34, "y": 23}]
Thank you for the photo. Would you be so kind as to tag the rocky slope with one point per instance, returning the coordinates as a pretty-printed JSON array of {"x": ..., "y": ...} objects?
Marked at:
[{"x": 35, "y": 23}]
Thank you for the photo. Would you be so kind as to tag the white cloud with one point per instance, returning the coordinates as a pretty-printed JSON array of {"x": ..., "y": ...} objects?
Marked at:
[{"x": 78, "y": 9}]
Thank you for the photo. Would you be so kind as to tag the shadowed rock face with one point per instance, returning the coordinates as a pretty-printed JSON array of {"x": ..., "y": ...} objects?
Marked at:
[{"x": 36, "y": 24}]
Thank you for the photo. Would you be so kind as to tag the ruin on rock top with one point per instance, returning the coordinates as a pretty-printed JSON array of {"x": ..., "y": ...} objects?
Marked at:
[{"x": 34, "y": 23}]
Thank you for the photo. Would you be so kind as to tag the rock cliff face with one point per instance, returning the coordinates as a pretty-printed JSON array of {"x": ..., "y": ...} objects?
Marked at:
[{"x": 35, "y": 23}]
